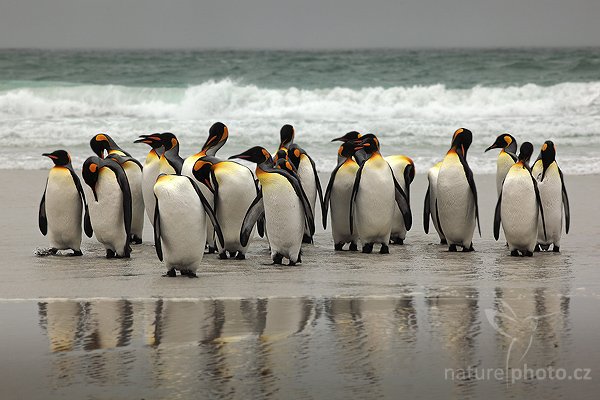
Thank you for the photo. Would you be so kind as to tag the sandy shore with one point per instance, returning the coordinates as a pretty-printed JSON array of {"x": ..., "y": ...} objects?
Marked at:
[{"x": 340, "y": 325}]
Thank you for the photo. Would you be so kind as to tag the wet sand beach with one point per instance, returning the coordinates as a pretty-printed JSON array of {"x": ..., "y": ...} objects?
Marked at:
[{"x": 340, "y": 325}]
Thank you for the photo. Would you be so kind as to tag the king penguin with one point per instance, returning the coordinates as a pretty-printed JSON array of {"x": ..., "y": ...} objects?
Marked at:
[
  {"x": 506, "y": 158},
  {"x": 134, "y": 171},
  {"x": 151, "y": 171},
  {"x": 110, "y": 209},
  {"x": 551, "y": 184},
  {"x": 170, "y": 162},
  {"x": 456, "y": 208},
  {"x": 404, "y": 171},
  {"x": 284, "y": 204},
  {"x": 337, "y": 196},
  {"x": 518, "y": 206},
  {"x": 430, "y": 201},
  {"x": 180, "y": 224},
  {"x": 374, "y": 192},
  {"x": 61, "y": 206}
]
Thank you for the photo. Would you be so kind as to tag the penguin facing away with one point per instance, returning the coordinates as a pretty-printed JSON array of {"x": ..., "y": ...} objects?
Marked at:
[
  {"x": 506, "y": 158},
  {"x": 374, "y": 192},
  {"x": 110, "y": 208},
  {"x": 518, "y": 206},
  {"x": 180, "y": 224},
  {"x": 284, "y": 204},
  {"x": 338, "y": 195},
  {"x": 553, "y": 194},
  {"x": 61, "y": 206},
  {"x": 456, "y": 208},
  {"x": 151, "y": 171},
  {"x": 404, "y": 171},
  {"x": 103, "y": 142},
  {"x": 429, "y": 209},
  {"x": 171, "y": 162}
]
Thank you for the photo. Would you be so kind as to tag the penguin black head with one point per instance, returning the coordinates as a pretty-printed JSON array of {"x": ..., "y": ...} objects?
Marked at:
[
  {"x": 504, "y": 141},
  {"x": 294, "y": 153},
  {"x": 369, "y": 143},
  {"x": 256, "y": 154},
  {"x": 201, "y": 172},
  {"x": 353, "y": 135},
  {"x": 525, "y": 153},
  {"x": 101, "y": 142},
  {"x": 547, "y": 155},
  {"x": 217, "y": 136},
  {"x": 286, "y": 136},
  {"x": 169, "y": 140},
  {"x": 60, "y": 158},
  {"x": 346, "y": 150},
  {"x": 286, "y": 165},
  {"x": 280, "y": 155},
  {"x": 461, "y": 140},
  {"x": 90, "y": 172},
  {"x": 154, "y": 140}
]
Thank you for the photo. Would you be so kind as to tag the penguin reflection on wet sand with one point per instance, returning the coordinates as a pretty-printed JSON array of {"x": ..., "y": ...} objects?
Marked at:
[
  {"x": 506, "y": 158},
  {"x": 61, "y": 206},
  {"x": 551, "y": 184},
  {"x": 284, "y": 204},
  {"x": 518, "y": 207},
  {"x": 374, "y": 193},
  {"x": 110, "y": 205},
  {"x": 456, "y": 208}
]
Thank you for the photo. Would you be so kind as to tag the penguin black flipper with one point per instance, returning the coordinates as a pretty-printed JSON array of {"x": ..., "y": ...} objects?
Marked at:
[
  {"x": 538, "y": 198},
  {"x": 426, "y": 211},
  {"x": 353, "y": 196},
  {"x": 403, "y": 203},
  {"x": 126, "y": 191},
  {"x": 409, "y": 172},
  {"x": 327, "y": 198},
  {"x": 157, "y": 244},
  {"x": 308, "y": 211},
  {"x": 497, "y": 217},
  {"x": 209, "y": 211},
  {"x": 87, "y": 223},
  {"x": 317, "y": 181},
  {"x": 254, "y": 214},
  {"x": 215, "y": 185},
  {"x": 42, "y": 219},
  {"x": 565, "y": 201},
  {"x": 437, "y": 218},
  {"x": 471, "y": 180}
]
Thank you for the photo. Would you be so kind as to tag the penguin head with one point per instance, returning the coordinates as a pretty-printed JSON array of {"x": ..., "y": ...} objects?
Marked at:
[
  {"x": 90, "y": 172},
  {"x": 547, "y": 155},
  {"x": 217, "y": 136},
  {"x": 281, "y": 154},
  {"x": 201, "y": 172},
  {"x": 346, "y": 150},
  {"x": 502, "y": 142},
  {"x": 101, "y": 142},
  {"x": 256, "y": 154},
  {"x": 286, "y": 136},
  {"x": 461, "y": 140},
  {"x": 294, "y": 153},
  {"x": 60, "y": 158},
  {"x": 286, "y": 165},
  {"x": 154, "y": 140},
  {"x": 350, "y": 136},
  {"x": 169, "y": 141},
  {"x": 369, "y": 143},
  {"x": 525, "y": 153}
]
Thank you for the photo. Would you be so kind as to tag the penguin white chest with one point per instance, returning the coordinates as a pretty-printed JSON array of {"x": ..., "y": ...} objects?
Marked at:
[
  {"x": 150, "y": 173},
  {"x": 503, "y": 165},
  {"x": 107, "y": 212},
  {"x": 341, "y": 193},
  {"x": 519, "y": 210},
  {"x": 134, "y": 176},
  {"x": 63, "y": 210},
  {"x": 551, "y": 195}
]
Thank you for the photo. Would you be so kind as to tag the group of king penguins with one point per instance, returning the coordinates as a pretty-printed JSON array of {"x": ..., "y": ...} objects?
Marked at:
[{"x": 207, "y": 204}]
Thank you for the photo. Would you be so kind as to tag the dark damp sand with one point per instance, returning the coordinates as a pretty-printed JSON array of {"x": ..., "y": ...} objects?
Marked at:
[{"x": 340, "y": 325}]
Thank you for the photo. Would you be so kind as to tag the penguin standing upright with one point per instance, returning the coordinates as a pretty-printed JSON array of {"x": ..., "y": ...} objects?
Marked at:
[
  {"x": 404, "y": 171},
  {"x": 457, "y": 209},
  {"x": 180, "y": 223},
  {"x": 217, "y": 137},
  {"x": 372, "y": 201},
  {"x": 151, "y": 171},
  {"x": 338, "y": 195},
  {"x": 309, "y": 178},
  {"x": 430, "y": 202},
  {"x": 61, "y": 206},
  {"x": 553, "y": 193},
  {"x": 110, "y": 208},
  {"x": 284, "y": 204},
  {"x": 506, "y": 158},
  {"x": 518, "y": 206},
  {"x": 134, "y": 171},
  {"x": 170, "y": 162}
]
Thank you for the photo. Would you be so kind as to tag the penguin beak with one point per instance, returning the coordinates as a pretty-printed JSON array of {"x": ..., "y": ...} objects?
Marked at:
[
  {"x": 49, "y": 155},
  {"x": 491, "y": 147},
  {"x": 339, "y": 139},
  {"x": 240, "y": 156}
]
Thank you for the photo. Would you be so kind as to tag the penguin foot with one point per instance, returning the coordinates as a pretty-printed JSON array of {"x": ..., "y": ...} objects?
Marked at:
[
  {"x": 240, "y": 256},
  {"x": 136, "y": 239},
  {"x": 299, "y": 260},
  {"x": 110, "y": 254},
  {"x": 52, "y": 251},
  {"x": 277, "y": 259},
  {"x": 171, "y": 273},
  {"x": 528, "y": 253},
  {"x": 291, "y": 263},
  {"x": 443, "y": 241},
  {"x": 545, "y": 247},
  {"x": 223, "y": 255},
  {"x": 307, "y": 239},
  {"x": 468, "y": 249},
  {"x": 514, "y": 253},
  {"x": 396, "y": 240},
  {"x": 353, "y": 246},
  {"x": 555, "y": 249},
  {"x": 338, "y": 246},
  {"x": 76, "y": 253},
  {"x": 384, "y": 249},
  {"x": 452, "y": 248},
  {"x": 189, "y": 274},
  {"x": 537, "y": 248},
  {"x": 367, "y": 248},
  {"x": 211, "y": 250}
]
